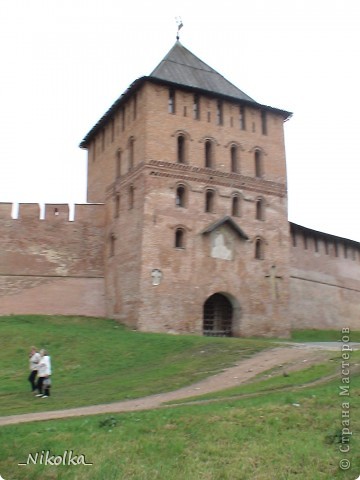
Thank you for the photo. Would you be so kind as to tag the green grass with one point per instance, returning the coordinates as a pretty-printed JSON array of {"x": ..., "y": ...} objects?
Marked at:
[
  {"x": 99, "y": 361},
  {"x": 322, "y": 336},
  {"x": 271, "y": 380},
  {"x": 280, "y": 436},
  {"x": 277, "y": 430}
]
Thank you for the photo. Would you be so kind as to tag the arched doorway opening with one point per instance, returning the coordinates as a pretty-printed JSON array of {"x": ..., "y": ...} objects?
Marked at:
[{"x": 218, "y": 315}]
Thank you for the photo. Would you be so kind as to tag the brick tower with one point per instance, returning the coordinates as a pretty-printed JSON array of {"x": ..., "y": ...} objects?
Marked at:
[{"x": 193, "y": 175}]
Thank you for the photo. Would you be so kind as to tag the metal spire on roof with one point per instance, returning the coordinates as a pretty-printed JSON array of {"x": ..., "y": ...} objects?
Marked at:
[{"x": 179, "y": 25}]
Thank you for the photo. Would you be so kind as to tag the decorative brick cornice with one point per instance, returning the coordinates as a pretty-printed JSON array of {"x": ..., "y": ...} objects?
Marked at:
[
  {"x": 205, "y": 176},
  {"x": 209, "y": 176}
]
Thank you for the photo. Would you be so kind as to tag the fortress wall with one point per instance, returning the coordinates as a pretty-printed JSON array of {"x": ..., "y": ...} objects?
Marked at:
[
  {"x": 5, "y": 210},
  {"x": 324, "y": 281},
  {"x": 52, "y": 265},
  {"x": 52, "y": 296}
]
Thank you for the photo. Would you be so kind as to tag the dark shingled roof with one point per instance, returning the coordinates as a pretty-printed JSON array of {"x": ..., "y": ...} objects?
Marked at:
[
  {"x": 182, "y": 67},
  {"x": 226, "y": 221}
]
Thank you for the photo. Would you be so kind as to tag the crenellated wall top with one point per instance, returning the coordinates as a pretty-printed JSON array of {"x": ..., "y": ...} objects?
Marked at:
[{"x": 54, "y": 212}]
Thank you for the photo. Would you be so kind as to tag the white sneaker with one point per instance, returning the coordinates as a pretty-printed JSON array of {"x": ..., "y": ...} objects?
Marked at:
[
  {"x": 45, "y": 396},
  {"x": 39, "y": 395}
]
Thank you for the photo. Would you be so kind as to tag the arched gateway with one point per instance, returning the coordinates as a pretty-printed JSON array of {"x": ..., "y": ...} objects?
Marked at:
[{"x": 218, "y": 316}]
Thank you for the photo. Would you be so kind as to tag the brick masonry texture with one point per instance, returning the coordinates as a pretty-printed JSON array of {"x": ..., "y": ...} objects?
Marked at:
[
  {"x": 52, "y": 265},
  {"x": 276, "y": 276}
]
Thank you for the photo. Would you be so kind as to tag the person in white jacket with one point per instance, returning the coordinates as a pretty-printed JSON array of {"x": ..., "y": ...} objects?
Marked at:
[
  {"x": 34, "y": 358},
  {"x": 44, "y": 373}
]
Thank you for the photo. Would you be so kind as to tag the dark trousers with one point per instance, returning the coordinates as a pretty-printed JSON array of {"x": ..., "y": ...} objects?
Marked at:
[
  {"x": 32, "y": 379},
  {"x": 44, "y": 390},
  {"x": 40, "y": 384}
]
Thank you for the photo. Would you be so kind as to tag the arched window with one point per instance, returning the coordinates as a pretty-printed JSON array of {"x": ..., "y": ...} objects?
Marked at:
[
  {"x": 234, "y": 159},
  {"x": 181, "y": 149},
  {"x": 179, "y": 238},
  {"x": 235, "y": 206},
  {"x": 180, "y": 196},
  {"x": 260, "y": 209},
  {"x": 131, "y": 153},
  {"x": 259, "y": 249},
  {"x": 209, "y": 160},
  {"x": 259, "y": 168},
  {"x": 209, "y": 201}
]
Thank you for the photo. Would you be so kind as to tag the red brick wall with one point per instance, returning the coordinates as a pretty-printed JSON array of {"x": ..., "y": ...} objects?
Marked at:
[
  {"x": 325, "y": 284},
  {"x": 52, "y": 265}
]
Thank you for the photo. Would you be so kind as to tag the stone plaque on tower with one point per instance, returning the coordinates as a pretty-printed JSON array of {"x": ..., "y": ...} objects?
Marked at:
[{"x": 221, "y": 244}]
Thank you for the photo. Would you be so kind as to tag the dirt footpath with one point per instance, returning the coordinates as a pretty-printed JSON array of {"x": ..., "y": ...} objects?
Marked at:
[{"x": 291, "y": 358}]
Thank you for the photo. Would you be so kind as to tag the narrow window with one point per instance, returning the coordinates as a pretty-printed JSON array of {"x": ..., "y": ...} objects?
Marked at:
[
  {"x": 242, "y": 119},
  {"x": 196, "y": 107},
  {"x": 259, "y": 249},
  {"x": 260, "y": 210},
  {"x": 208, "y": 154},
  {"x": 234, "y": 159},
  {"x": 131, "y": 153},
  {"x": 293, "y": 237},
  {"x": 235, "y": 207},
  {"x": 209, "y": 117},
  {"x": 209, "y": 201},
  {"x": 336, "y": 249},
  {"x": 180, "y": 196},
  {"x": 112, "y": 245},
  {"x": 171, "y": 102},
  {"x": 131, "y": 197},
  {"x": 345, "y": 251},
  {"x": 179, "y": 238},
  {"x": 181, "y": 149},
  {"x": 117, "y": 206},
  {"x": 263, "y": 122},
  {"x": 118, "y": 163},
  {"x": 219, "y": 113},
  {"x": 258, "y": 164}
]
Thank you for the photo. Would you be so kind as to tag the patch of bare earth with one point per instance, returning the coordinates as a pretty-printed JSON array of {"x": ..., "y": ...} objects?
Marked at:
[{"x": 285, "y": 359}]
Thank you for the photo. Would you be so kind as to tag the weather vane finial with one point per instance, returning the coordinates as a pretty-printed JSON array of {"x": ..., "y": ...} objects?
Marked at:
[{"x": 179, "y": 24}]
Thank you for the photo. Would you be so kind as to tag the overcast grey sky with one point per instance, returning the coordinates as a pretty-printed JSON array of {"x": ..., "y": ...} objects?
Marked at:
[{"x": 64, "y": 63}]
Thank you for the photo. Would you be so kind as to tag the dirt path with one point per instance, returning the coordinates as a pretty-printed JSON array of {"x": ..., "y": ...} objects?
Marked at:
[{"x": 288, "y": 359}]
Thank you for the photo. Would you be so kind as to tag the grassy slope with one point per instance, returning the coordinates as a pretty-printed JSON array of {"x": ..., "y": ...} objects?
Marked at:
[
  {"x": 99, "y": 361},
  {"x": 283, "y": 435},
  {"x": 267, "y": 437}
]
